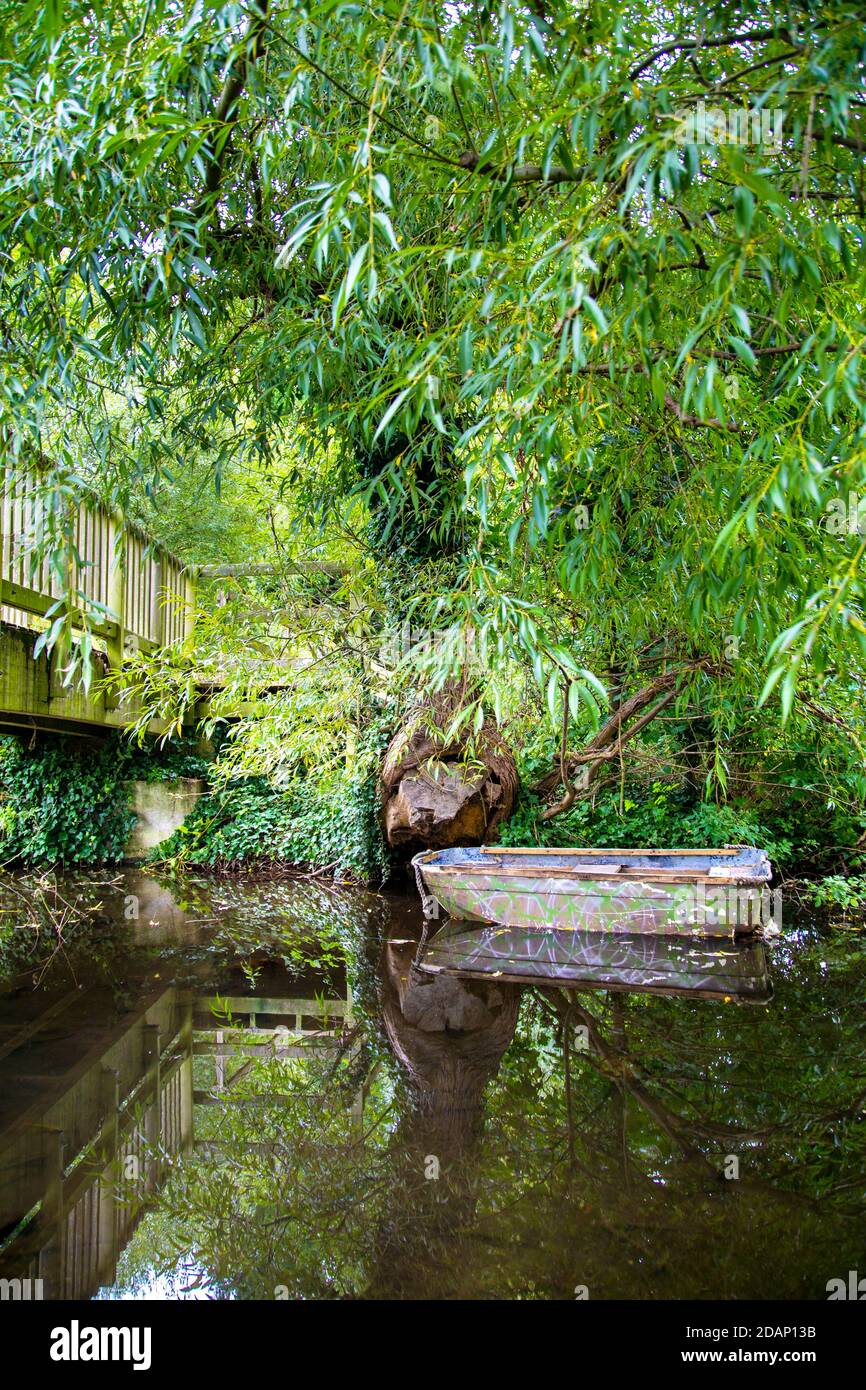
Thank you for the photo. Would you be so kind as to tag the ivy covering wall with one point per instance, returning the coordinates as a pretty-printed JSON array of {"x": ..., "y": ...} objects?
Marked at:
[
  {"x": 66, "y": 802},
  {"x": 62, "y": 801},
  {"x": 323, "y": 821}
]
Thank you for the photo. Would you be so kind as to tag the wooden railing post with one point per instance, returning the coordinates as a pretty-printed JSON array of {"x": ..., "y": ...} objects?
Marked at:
[
  {"x": 190, "y": 598},
  {"x": 62, "y": 650},
  {"x": 117, "y": 592},
  {"x": 157, "y": 606},
  {"x": 107, "y": 1185},
  {"x": 186, "y": 1002},
  {"x": 52, "y": 1255},
  {"x": 152, "y": 1100},
  {"x": 5, "y": 520}
]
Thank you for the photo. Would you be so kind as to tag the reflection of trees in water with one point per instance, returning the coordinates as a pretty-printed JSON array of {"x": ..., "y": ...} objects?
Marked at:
[
  {"x": 300, "y": 922},
  {"x": 300, "y": 1192},
  {"x": 665, "y": 1095},
  {"x": 617, "y": 1185},
  {"x": 282, "y": 1200},
  {"x": 55, "y": 931},
  {"x": 73, "y": 921}
]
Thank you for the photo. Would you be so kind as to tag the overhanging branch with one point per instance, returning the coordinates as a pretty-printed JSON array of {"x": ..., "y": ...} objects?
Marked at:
[
  {"x": 225, "y": 111},
  {"x": 641, "y": 708}
]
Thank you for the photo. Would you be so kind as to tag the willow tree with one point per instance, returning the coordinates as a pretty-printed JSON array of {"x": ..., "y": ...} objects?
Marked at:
[{"x": 576, "y": 291}]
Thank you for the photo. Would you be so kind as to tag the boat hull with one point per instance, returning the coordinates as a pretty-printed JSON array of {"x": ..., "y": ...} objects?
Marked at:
[{"x": 710, "y": 896}]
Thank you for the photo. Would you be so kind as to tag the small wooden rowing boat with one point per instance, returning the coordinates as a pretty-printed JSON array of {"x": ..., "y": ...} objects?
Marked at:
[{"x": 713, "y": 892}]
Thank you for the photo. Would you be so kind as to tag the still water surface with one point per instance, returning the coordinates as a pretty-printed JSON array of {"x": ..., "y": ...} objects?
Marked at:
[{"x": 239, "y": 1089}]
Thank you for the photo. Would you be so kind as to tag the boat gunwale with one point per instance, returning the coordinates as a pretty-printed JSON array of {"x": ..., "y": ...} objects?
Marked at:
[
  {"x": 644, "y": 853},
  {"x": 594, "y": 876},
  {"x": 755, "y": 871}
]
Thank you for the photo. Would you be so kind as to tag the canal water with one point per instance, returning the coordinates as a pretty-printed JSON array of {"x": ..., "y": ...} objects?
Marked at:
[{"x": 239, "y": 1088}]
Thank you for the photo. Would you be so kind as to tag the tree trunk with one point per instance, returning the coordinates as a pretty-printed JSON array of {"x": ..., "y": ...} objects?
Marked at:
[{"x": 433, "y": 794}]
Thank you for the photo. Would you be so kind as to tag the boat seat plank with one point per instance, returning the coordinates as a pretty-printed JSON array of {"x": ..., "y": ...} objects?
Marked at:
[
  {"x": 632, "y": 853},
  {"x": 589, "y": 871}
]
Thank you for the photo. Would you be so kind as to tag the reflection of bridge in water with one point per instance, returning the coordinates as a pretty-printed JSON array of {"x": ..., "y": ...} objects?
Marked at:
[{"x": 91, "y": 1113}]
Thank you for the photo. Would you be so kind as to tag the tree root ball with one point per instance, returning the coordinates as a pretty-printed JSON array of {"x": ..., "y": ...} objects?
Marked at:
[{"x": 435, "y": 794}]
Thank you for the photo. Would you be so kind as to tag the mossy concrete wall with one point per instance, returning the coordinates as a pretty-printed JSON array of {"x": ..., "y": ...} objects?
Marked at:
[{"x": 160, "y": 809}]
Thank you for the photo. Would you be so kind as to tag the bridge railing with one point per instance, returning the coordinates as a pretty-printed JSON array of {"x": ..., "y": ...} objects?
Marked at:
[{"x": 139, "y": 594}]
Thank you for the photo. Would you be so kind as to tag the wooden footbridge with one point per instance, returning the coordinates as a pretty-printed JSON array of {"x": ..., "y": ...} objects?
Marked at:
[{"x": 108, "y": 578}]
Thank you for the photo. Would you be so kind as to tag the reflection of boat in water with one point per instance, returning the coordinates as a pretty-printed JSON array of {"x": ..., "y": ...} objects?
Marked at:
[
  {"x": 640, "y": 962},
  {"x": 684, "y": 891}
]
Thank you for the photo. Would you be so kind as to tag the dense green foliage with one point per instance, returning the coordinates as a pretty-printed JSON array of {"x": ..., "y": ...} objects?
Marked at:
[
  {"x": 840, "y": 893},
  {"x": 520, "y": 327},
  {"x": 152, "y": 762},
  {"x": 657, "y": 820},
  {"x": 329, "y": 822},
  {"x": 62, "y": 803},
  {"x": 777, "y": 800},
  {"x": 657, "y": 817}
]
